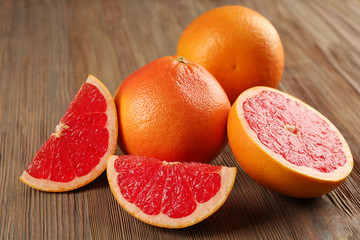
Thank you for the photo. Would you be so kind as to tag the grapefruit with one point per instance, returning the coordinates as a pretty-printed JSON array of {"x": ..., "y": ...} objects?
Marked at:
[
  {"x": 172, "y": 109},
  {"x": 76, "y": 153},
  {"x": 286, "y": 145},
  {"x": 168, "y": 194},
  {"x": 237, "y": 45}
]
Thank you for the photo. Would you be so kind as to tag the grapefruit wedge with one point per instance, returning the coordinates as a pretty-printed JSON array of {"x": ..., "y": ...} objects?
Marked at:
[
  {"x": 76, "y": 153},
  {"x": 168, "y": 194},
  {"x": 286, "y": 145}
]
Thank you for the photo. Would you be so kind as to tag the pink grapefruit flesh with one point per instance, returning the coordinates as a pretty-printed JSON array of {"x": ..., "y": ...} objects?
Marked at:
[
  {"x": 171, "y": 195},
  {"x": 286, "y": 145},
  {"x": 76, "y": 153},
  {"x": 293, "y": 131}
]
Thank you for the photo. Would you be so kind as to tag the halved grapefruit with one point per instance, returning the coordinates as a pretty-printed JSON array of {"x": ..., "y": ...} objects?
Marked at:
[
  {"x": 168, "y": 194},
  {"x": 286, "y": 145},
  {"x": 76, "y": 153}
]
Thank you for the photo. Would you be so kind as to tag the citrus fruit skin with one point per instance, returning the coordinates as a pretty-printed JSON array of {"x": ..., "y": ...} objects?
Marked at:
[
  {"x": 168, "y": 194},
  {"x": 240, "y": 47},
  {"x": 173, "y": 110},
  {"x": 270, "y": 168},
  {"x": 76, "y": 153}
]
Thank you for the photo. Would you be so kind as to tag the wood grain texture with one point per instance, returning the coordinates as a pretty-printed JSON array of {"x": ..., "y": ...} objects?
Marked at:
[{"x": 47, "y": 49}]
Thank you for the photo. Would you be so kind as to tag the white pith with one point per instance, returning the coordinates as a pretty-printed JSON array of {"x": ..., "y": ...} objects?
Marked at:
[
  {"x": 202, "y": 211},
  {"x": 340, "y": 173},
  {"x": 111, "y": 125}
]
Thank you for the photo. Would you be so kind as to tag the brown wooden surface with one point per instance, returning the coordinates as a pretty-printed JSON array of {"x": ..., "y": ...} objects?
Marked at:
[{"x": 47, "y": 49}]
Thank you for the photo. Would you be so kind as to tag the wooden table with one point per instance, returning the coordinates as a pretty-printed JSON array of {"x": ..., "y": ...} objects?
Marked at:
[{"x": 47, "y": 49}]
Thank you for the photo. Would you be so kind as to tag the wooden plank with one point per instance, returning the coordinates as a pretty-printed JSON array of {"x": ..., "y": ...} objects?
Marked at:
[{"x": 47, "y": 48}]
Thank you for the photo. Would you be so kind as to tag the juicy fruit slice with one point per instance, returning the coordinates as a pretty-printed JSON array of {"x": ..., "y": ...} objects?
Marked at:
[
  {"x": 286, "y": 145},
  {"x": 76, "y": 153},
  {"x": 294, "y": 132},
  {"x": 168, "y": 194}
]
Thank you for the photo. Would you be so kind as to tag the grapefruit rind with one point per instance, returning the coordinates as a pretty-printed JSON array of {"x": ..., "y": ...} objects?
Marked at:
[
  {"x": 202, "y": 211},
  {"x": 155, "y": 112},
  {"x": 271, "y": 169},
  {"x": 111, "y": 125}
]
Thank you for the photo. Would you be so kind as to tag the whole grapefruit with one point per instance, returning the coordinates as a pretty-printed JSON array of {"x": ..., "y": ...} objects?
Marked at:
[
  {"x": 240, "y": 47},
  {"x": 174, "y": 110},
  {"x": 286, "y": 145}
]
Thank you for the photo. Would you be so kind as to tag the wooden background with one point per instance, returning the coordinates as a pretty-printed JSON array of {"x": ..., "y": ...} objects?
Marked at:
[{"x": 47, "y": 49}]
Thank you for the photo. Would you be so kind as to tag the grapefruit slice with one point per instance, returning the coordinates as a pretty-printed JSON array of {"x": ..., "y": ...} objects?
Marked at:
[
  {"x": 76, "y": 153},
  {"x": 168, "y": 194},
  {"x": 286, "y": 145}
]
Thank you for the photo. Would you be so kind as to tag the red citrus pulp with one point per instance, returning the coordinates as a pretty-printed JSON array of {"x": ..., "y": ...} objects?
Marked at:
[
  {"x": 76, "y": 153},
  {"x": 286, "y": 145},
  {"x": 168, "y": 194}
]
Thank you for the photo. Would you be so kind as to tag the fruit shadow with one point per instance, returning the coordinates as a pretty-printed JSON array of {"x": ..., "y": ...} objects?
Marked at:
[
  {"x": 254, "y": 213},
  {"x": 242, "y": 212},
  {"x": 250, "y": 210},
  {"x": 98, "y": 183}
]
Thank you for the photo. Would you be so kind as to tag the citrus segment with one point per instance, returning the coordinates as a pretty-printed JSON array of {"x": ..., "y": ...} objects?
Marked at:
[
  {"x": 168, "y": 194},
  {"x": 76, "y": 153},
  {"x": 286, "y": 145}
]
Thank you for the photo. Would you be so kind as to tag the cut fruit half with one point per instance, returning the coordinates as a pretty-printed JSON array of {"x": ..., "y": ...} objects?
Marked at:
[
  {"x": 286, "y": 145},
  {"x": 76, "y": 153},
  {"x": 168, "y": 194}
]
